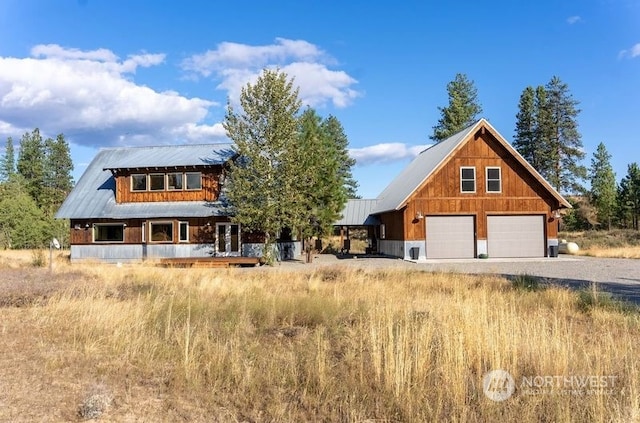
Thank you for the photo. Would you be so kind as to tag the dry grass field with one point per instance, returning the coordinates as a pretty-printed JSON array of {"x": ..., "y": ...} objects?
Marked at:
[
  {"x": 140, "y": 343},
  {"x": 618, "y": 243}
]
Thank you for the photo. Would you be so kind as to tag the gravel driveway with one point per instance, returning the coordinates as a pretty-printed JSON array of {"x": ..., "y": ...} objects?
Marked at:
[{"x": 620, "y": 277}]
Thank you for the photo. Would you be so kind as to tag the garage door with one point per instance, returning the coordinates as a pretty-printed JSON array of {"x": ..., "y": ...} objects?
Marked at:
[
  {"x": 515, "y": 236},
  {"x": 450, "y": 236}
]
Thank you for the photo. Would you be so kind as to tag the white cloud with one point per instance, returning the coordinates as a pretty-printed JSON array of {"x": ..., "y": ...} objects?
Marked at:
[
  {"x": 631, "y": 53},
  {"x": 385, "y": 153},
  {"x": 91, "y": 97},
  {"x": 235, "y": 65},
  {"x": 574, "y": 19}
]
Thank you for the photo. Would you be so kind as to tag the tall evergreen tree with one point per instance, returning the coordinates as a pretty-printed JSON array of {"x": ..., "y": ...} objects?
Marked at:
[
  {"x": 260, "y": 183},
  {"x": 565, "y": 144},
  {"x": 333, "y": 129},
  {"x": 31, "y": 164},
  {"x": 543, "y": 131},
  {"x": 525, "y": 137},
  {"x": 462, "y": 111},
  {"x": 629, "y": 196},
  {"x": 603, "y": 185},
  {"x": 57, "y": 178},
  {"x": 8, "y": 161}
]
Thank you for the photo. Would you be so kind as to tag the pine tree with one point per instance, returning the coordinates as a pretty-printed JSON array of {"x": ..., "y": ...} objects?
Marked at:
[
  {"x": 603, "y": 185},
  {"x": 335, "y": 132},
  {"x": 57, "y": 178},
  {"x": 565, "y": 144},
  {"x": 31, "y": 164},
  {"x": 8, "y": 161},
  {"x": 260, "y": 182},
  {"x": 525, "y": 137},
  {"x": 543, "y": 130},
  {"x": 629, "y": 195},
  {"x": 462, "y": 111}
]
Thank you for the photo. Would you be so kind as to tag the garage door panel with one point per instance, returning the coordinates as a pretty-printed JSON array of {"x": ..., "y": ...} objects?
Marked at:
[
  {"x": 515, "y": 236},
  {"x": 450, "y": 236}
]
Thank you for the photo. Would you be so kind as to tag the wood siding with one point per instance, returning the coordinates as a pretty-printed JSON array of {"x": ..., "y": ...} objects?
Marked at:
[
  {"x": 521, "y": 193},
  {"x": 209, "y": 192}
]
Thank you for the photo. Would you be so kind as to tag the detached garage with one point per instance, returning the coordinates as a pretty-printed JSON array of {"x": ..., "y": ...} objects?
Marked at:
[{"x": 516, "y": 236}]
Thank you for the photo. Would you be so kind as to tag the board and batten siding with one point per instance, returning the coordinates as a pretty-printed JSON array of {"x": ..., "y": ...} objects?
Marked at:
[
  {"x": 521, "y": 193},
  {"x": 209, "y": 192}
]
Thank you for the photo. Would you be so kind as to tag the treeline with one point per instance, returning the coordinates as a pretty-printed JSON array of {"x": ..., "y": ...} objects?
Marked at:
[
  {"x": 547, "y": 136},
  {"x": 33, "y": 185}
]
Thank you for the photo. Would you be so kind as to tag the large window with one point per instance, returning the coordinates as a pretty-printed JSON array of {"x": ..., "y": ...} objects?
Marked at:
[
  {"x": 194, "y": 180},
  {"x": 174, "y": 181},
  {"x": 467, "y": 179},
  {"x": 108, "y": 232},
  {"x": 493, "y": 179},
  {"x": 138, "y": 182},
  {"x": 161, "y": 231},
  {"x": 156, "y": 182}
]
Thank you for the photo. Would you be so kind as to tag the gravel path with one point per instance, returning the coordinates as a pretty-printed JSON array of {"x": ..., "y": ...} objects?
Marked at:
[{"x": 620, "y": 277}]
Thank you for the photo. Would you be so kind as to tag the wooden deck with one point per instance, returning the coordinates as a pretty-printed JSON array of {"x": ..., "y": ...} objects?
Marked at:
[{"x": 219, "y": 262}]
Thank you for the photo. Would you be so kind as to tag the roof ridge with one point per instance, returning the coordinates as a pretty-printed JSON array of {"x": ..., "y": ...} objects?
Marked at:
[{"x": 164, "y": 146}]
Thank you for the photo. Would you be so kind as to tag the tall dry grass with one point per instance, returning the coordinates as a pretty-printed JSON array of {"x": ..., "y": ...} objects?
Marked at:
[
  {"x": 617, "y": 243},
  {"x": 344, "y": 344}
]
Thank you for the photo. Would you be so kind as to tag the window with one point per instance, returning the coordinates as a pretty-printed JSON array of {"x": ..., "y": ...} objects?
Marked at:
[
  {"x": 493, "y": 179},
  {"x": 108, "y": 232},
  {"x": 156, "y": 182},
  {"x": 138, "y": 182},
  {"x": 467, "y": 179},
  {"x": 184, "y": 231},
  {"x": 194, "y": 180},
  {"x": 161, "y": 231},
  {"x": 174, "y": 181}
]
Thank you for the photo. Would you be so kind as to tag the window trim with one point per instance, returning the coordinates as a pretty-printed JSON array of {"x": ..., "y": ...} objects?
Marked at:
[
  {"x": 93, "y": 233},
  {"x": 475, "y": 183},
  {"x": 168, "y": 187},
  {"x": 186, "y": 180},
  {"x": 146, "y": 182},
  {"x": 160, "y": 222},
  {"x": 180, "y": 231},
  {"x": 486, "y": 172}
]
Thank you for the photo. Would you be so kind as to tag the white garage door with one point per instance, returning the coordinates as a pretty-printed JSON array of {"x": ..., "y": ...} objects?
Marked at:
[
  {"x": 450, "y": 236},
  {"x": 515, "y": 236}
]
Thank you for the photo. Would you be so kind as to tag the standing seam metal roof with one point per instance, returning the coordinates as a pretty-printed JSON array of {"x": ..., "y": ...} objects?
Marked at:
[
  {"x": 357, "y": 212},
  {"x": 94, "y": 194}
]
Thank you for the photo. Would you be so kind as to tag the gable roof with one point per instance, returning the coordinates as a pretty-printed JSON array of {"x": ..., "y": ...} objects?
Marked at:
[
  {"x": 357, "y": 212},
  {"x": 94, "y": 194},
  {"x": 397, "y": 193}
]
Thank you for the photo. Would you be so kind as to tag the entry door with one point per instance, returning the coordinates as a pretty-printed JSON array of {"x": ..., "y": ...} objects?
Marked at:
[{"x": 227, "y": 239}]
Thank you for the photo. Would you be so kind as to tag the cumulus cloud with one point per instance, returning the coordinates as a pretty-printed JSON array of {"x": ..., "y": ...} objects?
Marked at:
[
  {"x": 235, "y": 65},
  {"x": 631, "y": 53},
  {"x": 574, "y": 19},
  {"x": 385, "y": 153},
  {"x": 91, "y": 97}
]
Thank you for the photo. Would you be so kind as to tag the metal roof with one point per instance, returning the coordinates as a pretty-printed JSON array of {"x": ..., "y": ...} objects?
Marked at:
[
  {"x": 396, "y": 194},
  {"x": 94, "y": 194},
  {"x": 357, "y": 212}
]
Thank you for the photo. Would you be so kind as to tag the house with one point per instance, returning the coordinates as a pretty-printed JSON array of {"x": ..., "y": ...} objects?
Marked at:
[
  {"x": 155, "y": 202},
  {"x": 472, "y": 194}
]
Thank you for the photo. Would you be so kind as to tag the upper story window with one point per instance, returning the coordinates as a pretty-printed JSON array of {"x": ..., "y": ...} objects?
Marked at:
[
  {"x": 194, "y": 180},
  {"x": 172, "y": 181},
  {"x": 467, "y": 179},
  {"x": 494, "y": 182},
  {"x": 139, "y": 182},
  {"x": 156, "y": 182}
]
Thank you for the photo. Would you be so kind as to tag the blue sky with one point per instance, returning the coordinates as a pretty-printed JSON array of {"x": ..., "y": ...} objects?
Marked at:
[{"x": 125, "y": 73}]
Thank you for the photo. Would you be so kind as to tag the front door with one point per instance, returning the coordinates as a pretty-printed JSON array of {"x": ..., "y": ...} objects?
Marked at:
[{"x": 227, "y": 239}]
